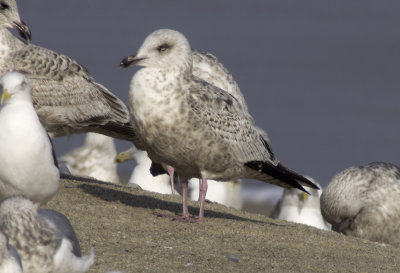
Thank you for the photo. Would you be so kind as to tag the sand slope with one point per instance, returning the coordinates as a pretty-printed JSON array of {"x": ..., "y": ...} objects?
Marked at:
[{"x": 119, "y": 223}]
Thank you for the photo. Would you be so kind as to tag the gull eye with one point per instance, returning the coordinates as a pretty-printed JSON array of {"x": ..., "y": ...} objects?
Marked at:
[
  {"x": 163, "y": 47},
  {"x": 4, "y": 6}
]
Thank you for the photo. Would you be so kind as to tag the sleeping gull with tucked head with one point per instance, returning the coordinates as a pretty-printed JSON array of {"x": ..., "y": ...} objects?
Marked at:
[
  {"x": 195, "y": 127},
  {"x": 65, "y": 96},
  {"x": 10, "y": 262},
  {"x": 44, "y": 239},
  {"x": 28, "y": 164},
  {"x": 364, "y": 202}
]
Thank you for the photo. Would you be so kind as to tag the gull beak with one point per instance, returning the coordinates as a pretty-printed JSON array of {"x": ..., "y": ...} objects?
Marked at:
[
  {"x": 5, "y": 96},
  {"x": 131, "y": 60},
  {"x": 122, "y": 157},
  {"x": 303, "y": 197},
  {"x": 23, "y": 30}
]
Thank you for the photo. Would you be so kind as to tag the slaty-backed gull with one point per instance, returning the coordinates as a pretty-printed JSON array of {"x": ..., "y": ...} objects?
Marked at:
[{"x": 200, "y": 130}]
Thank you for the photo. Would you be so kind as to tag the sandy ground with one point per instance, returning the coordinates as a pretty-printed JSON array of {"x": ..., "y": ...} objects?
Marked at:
[{"x": 119, "y": 223}]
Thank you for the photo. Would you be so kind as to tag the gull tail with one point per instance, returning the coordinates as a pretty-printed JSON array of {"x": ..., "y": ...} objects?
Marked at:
[{"x": 279, "y": 175}]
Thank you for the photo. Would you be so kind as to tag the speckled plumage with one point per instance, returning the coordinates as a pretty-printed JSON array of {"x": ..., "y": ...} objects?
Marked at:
[
  {"x": 94, "y": 159},
  {"x": 44, "y": 239},
  {"x": 65, "y": 96},
  {"x": 364, "y": 202},
  {"x": 197, "y": 128},
  {"x": 207, "y": 67},
  {"x": 10, "y": 261},
  {"x": 28, "y": 166}
]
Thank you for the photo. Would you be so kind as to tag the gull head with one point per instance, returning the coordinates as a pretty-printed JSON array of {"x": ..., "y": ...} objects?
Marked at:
[
  {"x": 9, "y": 18},
  {"x": 163, "y": 49},
  {"x": 16, "y": 205},
  {"x": 14, "y": 86}
]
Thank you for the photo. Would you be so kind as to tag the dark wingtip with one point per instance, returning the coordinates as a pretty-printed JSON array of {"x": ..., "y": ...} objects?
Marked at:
[{"x": 282, "y": 173}]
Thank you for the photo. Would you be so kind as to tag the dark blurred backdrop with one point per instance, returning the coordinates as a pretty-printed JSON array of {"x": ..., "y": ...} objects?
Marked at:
[{"x": 321, "y": 77}]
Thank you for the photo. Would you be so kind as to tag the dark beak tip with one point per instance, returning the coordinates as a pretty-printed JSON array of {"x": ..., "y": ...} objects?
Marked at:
[
  {"x": 124, "y": 63},
  {"x": 23, "y": 30}
]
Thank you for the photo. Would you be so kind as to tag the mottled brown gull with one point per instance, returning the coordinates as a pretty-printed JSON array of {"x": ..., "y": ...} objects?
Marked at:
[
  {"x": 44, "y": 239},
  {"x": 65, "y": 96},
  {"x": 28, "y": 165},
  {"x": 364, "y": 202},
  {"x": 197, "y": 128},
  {"x": 208, "y": 68},
  {"x": 10, "y": 262}
]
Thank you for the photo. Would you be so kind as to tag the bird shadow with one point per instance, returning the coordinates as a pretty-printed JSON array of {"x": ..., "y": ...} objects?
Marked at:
[{"x": 143, "y": 201}]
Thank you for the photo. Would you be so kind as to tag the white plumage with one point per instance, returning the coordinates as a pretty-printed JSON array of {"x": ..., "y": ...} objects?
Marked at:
[
  {"x": 227, "y": 193},
  {"x": 299, "y": 207},
  {"x": 27, "y": 160},
  {"x": 141, "y": 175},
  {"x": 94, "y": 159}
]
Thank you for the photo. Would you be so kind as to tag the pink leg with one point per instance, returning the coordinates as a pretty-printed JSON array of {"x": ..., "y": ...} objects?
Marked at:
[
  {"x": 185, "y": 217},
  {"x": 200, "y": 184},
  {"x": 202, "y": 196},
  {"x": 171, "y": 171},
  {"x": 185, "y": 211}
]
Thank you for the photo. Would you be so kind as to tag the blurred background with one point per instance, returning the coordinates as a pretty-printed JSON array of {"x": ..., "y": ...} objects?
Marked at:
[{"x": 321, "y": 77}]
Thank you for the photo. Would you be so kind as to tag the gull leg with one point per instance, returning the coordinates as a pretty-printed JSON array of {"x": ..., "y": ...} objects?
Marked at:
[
  {"x": 202, "y": 197},
  {"x": 185, "y": 217},
  {"x": 185, "y": 211},
  {"x": 200, "y": 184},
  {"x": 171, "y": 172}
]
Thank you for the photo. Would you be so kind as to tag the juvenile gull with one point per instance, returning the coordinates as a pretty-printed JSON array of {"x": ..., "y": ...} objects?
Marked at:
[
  {"x": 141, "y": 175},
  {"x": 94, "y": 159},
  {"x": 365, "y": 202},
  {"x": 207, "y": 67},
  {"x": 44, "y": 239},
  {"x": 299, "y": 207},
  {"x": 28, "y": 165},
  {"x": 65, "y": 96},
  {"x": 197, "y": 128},
  {"x": 10, "y": 261}
]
